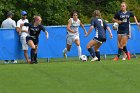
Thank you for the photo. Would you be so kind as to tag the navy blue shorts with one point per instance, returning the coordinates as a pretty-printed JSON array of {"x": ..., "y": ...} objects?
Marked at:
[
  {"x": 35, "y": 40},
  {"x": 123, "y": 32},
  {"x": 100, "y": 40}
]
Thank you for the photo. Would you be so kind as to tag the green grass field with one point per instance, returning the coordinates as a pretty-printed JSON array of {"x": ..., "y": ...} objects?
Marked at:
[{"x": 71, "y": 76}]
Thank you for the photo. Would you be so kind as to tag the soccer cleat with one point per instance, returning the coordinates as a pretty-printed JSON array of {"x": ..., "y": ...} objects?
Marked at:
[
  {"x": 6, "y": 62},
  {"x": 94, "y": 59},
  {"x": 65, "y": 55},
  {"x": 128, "y": 55},
  {"x": 14, "y": 62},
  {"x": 123, "y": 59},
  {"x": 116, "y": 58}
]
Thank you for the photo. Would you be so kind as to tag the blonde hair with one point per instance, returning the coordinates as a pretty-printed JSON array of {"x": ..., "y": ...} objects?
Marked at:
[
  {"x": 36, "y": 17},
  {"x": 124, "y": 3},
  {"x": 97, "y": 13}
]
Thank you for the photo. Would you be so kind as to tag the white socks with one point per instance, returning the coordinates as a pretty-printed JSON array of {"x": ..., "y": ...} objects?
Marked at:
[
  {"x": 79, "y": 51},
  {"x": 65, "y": 50}
]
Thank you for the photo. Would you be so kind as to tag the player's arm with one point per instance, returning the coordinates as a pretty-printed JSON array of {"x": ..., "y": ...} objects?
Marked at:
[
  {"x": 82, "y": 25},
  {"x": 89, "y": 31},
  {"x": 109, "y": 30},
  {"x": 115, "y": 19},
  {"x": 91, "y": 27},
  {"x": 25, "y": 24},
  {"x": 68, "y": 27},
  {"x": 136, "y": 21},
  {"x": 46, "y": 32}
]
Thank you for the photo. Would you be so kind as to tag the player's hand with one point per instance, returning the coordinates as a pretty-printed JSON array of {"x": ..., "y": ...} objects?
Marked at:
[
  {"x": 47, "y": 35},
  {"x": 86, "y": 34},
  {"x": 74, "y": 31},
  {"x": 120, "y": 22},
  {"x": 111, "y": 36}
]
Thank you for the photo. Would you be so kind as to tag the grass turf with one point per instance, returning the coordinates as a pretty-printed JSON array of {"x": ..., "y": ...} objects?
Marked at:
[{"x": 71, "y": 76}]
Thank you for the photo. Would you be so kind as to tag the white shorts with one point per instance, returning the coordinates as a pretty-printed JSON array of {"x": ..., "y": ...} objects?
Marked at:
[
  {"x": 72, "y": 38},
  {"x": 23, "y": 42}
]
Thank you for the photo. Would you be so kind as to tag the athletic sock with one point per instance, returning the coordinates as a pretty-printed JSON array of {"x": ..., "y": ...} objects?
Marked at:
[
  {"x": 119, "y": 52},
  {"x": 65, "y": 50},
  {"x": 79, "y": 51},
  {"x": 125, "y": 49},
  {"x": 91, "y": 51},
  {"x": 98, "y": 55},
  {"x": 32, "y": 55},
  {"x": 35, "y": 57}
]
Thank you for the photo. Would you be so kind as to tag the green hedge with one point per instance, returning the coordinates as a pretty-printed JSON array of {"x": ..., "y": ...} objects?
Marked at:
[{"x": 57, "y": 12}]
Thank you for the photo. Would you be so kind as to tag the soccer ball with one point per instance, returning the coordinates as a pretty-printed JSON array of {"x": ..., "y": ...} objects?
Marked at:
[
  {"x": 115, "y": 26},
  {"x": 83, "y": 58}
]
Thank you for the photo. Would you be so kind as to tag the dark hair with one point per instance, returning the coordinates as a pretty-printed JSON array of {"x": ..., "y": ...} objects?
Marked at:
[
  {"x": 9, "y": 14},
  {"x": 73, "y": 12}
]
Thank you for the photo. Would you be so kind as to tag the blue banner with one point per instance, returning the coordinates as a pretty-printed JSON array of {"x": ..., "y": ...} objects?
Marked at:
[{"x": 10, "y": 46}]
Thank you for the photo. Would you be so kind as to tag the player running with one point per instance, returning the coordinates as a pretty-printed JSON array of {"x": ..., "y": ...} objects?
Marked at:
[
  {"x": 100, "y": 27},
  {"x": 73, "y": 33},
  {"x": 32, "y": 39},
  {"x": 122, "y": 17}
]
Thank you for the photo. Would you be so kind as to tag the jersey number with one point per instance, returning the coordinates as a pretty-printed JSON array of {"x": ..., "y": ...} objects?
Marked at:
[{"x": 100, "y": 20}]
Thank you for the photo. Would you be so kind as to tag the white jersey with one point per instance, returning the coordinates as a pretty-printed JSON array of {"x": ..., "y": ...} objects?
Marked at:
[
  {"x": 23, "y": 27},
  {"x": 8, "y": 23},
  {"x": 74, "y": 26}
]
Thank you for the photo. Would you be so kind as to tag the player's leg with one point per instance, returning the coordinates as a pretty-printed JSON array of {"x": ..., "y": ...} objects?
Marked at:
[
  {"x": 35, "y": 51},
  {"x": 124, "y": 54},
  {"x": 119, "y": 49},
  {"x": 68, "y": 46},
  {"x": 35, "y": 57},
  {"x": 123, "y": 43},
  {"x": 97, "y": 52},
  {"x": 91, "y": 51},
  {"x": 77, "y": 42},
  {"x": 33, "y": 48}
]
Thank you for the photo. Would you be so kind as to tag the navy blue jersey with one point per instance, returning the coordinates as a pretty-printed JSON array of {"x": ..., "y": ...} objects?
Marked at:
[
  {"x": 100, "y": 27},
  {"x": 34, "y": 31},
  {"x": 125, "y": 18}
]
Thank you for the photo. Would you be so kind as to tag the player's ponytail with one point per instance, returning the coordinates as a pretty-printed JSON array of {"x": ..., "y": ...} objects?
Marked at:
[
  {"x": 97, "y": 13},
  {"x": 36, "y": 18}
]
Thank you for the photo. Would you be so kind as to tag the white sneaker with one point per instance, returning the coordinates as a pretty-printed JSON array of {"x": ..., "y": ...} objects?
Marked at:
[
  {"x": 65, "y": 55},
  {"x": 123, "y": 59},
  {"x": 14, "y": 62},
  {"x": 94, "y": 59},
  {"x": 5, "y": 62}
]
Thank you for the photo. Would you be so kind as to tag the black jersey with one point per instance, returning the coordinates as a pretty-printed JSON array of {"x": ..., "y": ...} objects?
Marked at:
[
  {"x": 100, "y": 27},
  {"x": 34, "y": 31},
  {"x": 124, "y": 28}
]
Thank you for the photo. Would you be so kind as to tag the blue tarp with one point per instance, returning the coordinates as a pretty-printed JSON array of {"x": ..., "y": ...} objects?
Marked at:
[{"x": 10, "y": 47}]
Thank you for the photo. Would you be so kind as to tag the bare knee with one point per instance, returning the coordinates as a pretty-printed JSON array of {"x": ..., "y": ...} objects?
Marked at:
[{"x": 88, "y": 46}]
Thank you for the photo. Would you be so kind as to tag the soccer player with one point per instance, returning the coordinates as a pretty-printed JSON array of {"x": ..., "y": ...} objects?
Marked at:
[
  {"x": 122, "y": 17},
  {"x": 32, "y": 39},
  {"x": 23, "y": 32},
  {"x": 100, "y": 27},
  {"x": 73, "y": 33}
]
